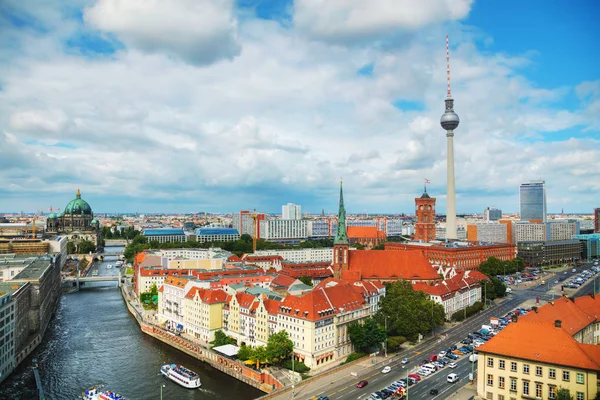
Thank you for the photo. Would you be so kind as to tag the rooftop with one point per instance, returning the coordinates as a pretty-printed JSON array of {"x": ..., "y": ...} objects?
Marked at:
[
  {"x": 216, "y": 231},
  {"x": 162, "y": 231},
  {"x": 542, "y": 342},
  {"x": 34, "y": 271}
]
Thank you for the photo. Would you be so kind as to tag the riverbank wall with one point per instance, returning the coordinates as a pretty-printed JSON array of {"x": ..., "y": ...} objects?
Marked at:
[{"x": 261, "y": 380}]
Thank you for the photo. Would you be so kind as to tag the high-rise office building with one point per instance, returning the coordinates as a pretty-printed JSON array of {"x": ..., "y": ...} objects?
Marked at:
[
  {"x": 532, "y": 200},
  {"x": 492, "y": 214},
  {"x": 597, "y": 220},
  {"x": 291, "y": 211}
]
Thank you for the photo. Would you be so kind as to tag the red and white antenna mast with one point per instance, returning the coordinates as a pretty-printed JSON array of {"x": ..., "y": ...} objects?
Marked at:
[{"x": 448, "y": 65}]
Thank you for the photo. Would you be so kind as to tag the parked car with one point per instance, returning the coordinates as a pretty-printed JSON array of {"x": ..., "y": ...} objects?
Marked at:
[
  {"x": 362, "y": 383},
  {"x": 414, "y": 376},
  {"x": 452, "y": 356},
  {"x": 386, "y": 370}
]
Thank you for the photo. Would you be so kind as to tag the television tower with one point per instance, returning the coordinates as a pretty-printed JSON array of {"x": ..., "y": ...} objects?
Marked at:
[{"x": 449, "y": 122}]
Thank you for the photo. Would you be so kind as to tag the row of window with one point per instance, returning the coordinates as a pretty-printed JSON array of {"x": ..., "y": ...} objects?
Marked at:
[
  {"x": 526, "y": 387},
  {"x": 539, "y": 371}
]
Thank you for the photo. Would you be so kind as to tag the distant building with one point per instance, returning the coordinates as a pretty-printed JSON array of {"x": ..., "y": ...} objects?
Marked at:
[
  {"x": 561, "y": 230},
  {"x": 528, "y": 232},
  {"x": 164, "y": 235},
  {"x": 492, "y": 214},
  {"x": 291, "y": 211},
  {"x": 284, "y": 230},
  {"x": 440, "y": 232},
  {"x": 590, "y": 245},
  {"x": 549, "y": 252},
  {"x": 300, "y": 255},
  {"x": 244, "y": 223},
  {"x": 368, "y": 236},
  {"x": 532, "y": 199},
  {"x": 491, "y": 232},
  {"x": 7, "y": 321},
  {"x": 596, "y": 220},
  {"x": 204, "y": 235}
]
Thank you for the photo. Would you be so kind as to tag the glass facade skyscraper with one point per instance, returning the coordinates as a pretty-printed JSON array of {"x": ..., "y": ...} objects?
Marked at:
[{"x": 532, "y": 199}]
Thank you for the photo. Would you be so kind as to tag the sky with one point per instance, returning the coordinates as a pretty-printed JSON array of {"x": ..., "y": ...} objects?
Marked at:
[{"x": 221, "y": 105}]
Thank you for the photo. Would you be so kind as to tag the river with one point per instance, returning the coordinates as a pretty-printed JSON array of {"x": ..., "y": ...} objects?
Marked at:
[{"x": 93, "y": 340}]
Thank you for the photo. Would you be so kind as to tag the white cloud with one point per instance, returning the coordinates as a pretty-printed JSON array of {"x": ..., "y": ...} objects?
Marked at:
[
  {"x": 282, "y": 121},
  {"x": 197, "y": 31},
  {"x": 350, "y": 20}
]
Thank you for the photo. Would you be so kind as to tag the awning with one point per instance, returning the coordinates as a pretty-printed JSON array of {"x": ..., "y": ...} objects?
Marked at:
[{"x": 179, "y": 326}]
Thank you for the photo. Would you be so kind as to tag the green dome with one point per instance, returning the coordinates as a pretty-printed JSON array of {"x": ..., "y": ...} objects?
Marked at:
[
  {"x": 94, "y": 221},
  {"x": 59, "y": 215},
  {"x": 78, "y": 206},
  {"x": 52, "y": 216}
]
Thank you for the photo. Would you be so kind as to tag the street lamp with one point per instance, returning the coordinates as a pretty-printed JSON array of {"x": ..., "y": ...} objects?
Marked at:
[{"x": 161, "y": 388}]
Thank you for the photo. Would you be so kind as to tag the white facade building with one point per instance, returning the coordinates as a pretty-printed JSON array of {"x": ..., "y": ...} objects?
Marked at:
[
  {"x": 561, "y": 230},
  {"x": 440, "y": 232},
  {"x": 528, "y": 232},
  {"x": 300, "y": 255},
  {"x": 291, "y": 211},
  {"x": 281, "y": 229},
  {"x": 491, "y": 232}
]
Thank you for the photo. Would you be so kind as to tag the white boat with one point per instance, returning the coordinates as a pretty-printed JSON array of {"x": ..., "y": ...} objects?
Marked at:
[
  {"x": 181, "y": 375},
  {"x": 95, "y": 394},
  {"x": 109, "y": 266}
]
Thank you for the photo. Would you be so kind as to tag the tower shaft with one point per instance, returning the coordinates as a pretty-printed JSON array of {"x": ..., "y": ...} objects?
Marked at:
[{"x": 451, "y": 194}]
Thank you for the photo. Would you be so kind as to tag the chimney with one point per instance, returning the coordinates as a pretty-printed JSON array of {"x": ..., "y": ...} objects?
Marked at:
[
  {"x": 557, "y": 323},
  {"x": 514, "y": 318}
]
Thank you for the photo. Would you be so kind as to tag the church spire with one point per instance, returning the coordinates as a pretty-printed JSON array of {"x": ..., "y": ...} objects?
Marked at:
[{"x": 341, "y": 237}]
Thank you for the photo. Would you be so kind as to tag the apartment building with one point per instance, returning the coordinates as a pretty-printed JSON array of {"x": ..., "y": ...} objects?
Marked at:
[
  {"x": 455, "y": 293},
  {"x": 317, "y": 322},
  {"x": 300, "y": 255},
  {"x": 203, "y": 313},
  {"x": 561, "y": 230},
  {"x": 490, "y": 232},
  {"x": 284, "y": 230},
  {"x": 528, "y": 232},
  {"x": 531, "y": 359},
  {"x": 170, "y": 302}
]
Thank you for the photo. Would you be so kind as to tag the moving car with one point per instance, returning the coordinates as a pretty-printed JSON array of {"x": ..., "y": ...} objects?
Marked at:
[
  {"x": 386, "y": 370},
  {"x": 433, "y": 392},
  {"x": 405, "y": 360},
  {"x": 453, "y": 365},
  {"x": 452, "y": 378},
  {"x": 362, "y": 383}
]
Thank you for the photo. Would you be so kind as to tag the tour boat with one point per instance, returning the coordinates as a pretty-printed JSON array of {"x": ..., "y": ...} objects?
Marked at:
[
  {"x": 181, "y": 375},
  {"x": 109, "y": 266},
  {"x": 94, "y": 394}
]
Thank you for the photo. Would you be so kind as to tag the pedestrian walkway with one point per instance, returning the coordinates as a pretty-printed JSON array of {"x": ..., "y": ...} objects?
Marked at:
[{"x": 467, "y": 392}]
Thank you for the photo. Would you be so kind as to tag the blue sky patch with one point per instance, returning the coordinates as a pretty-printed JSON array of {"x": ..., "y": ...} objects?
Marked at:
[
  {"x": 275, "y": 10},
  {"x": 406, "y": 105},
  {"x": 366, "y": 70},
  {"x": 93, "y": 43}
]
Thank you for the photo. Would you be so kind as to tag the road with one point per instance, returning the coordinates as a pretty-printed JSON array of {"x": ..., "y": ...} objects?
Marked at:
[{"x": 347, "y": 390}]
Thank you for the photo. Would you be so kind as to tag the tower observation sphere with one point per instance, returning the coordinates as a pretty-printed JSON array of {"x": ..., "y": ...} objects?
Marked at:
[{"x": 449, "y": 120}]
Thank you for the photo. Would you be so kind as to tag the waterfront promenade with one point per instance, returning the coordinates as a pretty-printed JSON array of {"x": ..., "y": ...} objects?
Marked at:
[{"x": 260, "y": 379}]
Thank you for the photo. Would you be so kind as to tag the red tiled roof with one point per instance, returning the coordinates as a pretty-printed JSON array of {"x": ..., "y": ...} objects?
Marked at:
[
  {"x": 391, "y": 264},
  {"x": 272, "y": 306},
  {"x": 542, "y": 342},
  {"x": 283, "y": 280},
  {"x": 324, "y": 301},
  {"x": 245, "y": 300},
  {"x": 590, "y": 305},
  {"x": 370, "y": 232},
  {"x": 176, "y": 281},
  {"x": 318, "y": 264},
  {"x": 250, "y": 258},
  {"x": 163, "y": 272},
  {"x": 312, "y": 272},
  {"x": 234, "y": 258},
  {"x": 207, "y": 295},
  {"x": 573, "y": 319}
]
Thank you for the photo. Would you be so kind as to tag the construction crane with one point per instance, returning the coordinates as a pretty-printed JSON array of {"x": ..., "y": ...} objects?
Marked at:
[
  {"x": 34, "y": 230},
  {"x": 254, "y": 216}
]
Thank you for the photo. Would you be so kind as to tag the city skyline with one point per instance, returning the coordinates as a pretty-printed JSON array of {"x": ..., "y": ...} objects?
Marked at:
[{"x": 237, "y": 107}]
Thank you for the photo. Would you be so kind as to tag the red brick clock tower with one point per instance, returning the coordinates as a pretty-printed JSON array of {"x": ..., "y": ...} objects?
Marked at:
[{"x": 425, "y": 210}]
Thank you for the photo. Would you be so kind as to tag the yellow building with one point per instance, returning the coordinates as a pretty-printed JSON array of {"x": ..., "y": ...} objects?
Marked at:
[
  {"x": 202, "y": 312},
  {"x": 533, "y": 359}
]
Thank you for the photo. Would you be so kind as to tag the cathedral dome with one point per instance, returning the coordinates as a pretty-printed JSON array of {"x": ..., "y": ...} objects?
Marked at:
[{"x": 78, "y": 206}]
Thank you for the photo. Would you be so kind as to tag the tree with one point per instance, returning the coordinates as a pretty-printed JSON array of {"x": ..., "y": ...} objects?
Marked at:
[
  {"x": 563, "y": 394},
  {"x": 279, "y": 346},
  {"x": 408, "y": 312},
  {"x": 222, "y": 339},
  {"x": 380, "y": 246},
  {"x": 244, "y": 353},
  {"x": 259, "y": 355},
  {"x": 71, "y": 248},
  {"x": 499, "y": 287},
  {"x": 85, "y": 246},
  {"x": 306, "y": 280},
  {"x": 246, "y": 238},
  {"x": 366, "y": 336}
]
